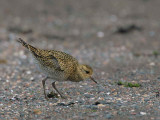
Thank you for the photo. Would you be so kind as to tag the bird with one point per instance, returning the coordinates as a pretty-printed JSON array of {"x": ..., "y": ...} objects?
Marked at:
[{"x": 58, "y": 66}]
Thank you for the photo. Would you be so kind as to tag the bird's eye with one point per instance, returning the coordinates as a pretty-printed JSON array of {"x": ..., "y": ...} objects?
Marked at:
[{"x": 87, "y": 72}]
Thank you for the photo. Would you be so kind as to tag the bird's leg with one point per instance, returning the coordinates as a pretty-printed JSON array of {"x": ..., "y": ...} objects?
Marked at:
[
  {"x": 44, "y": 87},
  {"x": 54, "y": 86}
]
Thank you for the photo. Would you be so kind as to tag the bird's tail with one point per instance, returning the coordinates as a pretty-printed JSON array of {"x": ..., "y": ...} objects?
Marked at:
[{"x": 26, "y": 45}]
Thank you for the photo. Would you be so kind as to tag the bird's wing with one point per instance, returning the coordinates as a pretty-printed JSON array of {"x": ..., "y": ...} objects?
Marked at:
[
  {"x": 53, "y": 62},
  {"x": 47, "y": 59},
  {"x": 56, "y": 59},
  {"x": 65, "y": 61}
]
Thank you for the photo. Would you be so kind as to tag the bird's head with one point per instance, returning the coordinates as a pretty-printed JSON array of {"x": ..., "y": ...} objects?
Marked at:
[{"x": 86, "y": 72}]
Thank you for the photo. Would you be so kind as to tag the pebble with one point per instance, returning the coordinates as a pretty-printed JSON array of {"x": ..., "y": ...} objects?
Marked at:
[
  {"x": 94, "y": 107},
  {"x": 101, "y": 105},
  {"x": 113, "y": 18},
  {"x": 61, "y": 104},
  {"x": 100, "y": 34},
  {"x": 151, "y": 33},
  {"x": 32, "y": 78},
  {"x": 152, "y": 64},
  {"x": 12, "y": 36},
  {"x": 97, "y": 103},
  {"x": 108, "y": 93},
  {"x": 28, "y": 72},
  {"x": 109, "y": 116},
  {"x": 88, "y": 95},
  {"x": 37, "y": 111},
  {"x": 158, "y": 78},
  {"x": 94, "y": 114},
  {"x": 143, "y": 113}
]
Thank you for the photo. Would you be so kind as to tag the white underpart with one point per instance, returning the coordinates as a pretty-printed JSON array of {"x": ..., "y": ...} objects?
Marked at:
[{"x": 51, "y": 73}]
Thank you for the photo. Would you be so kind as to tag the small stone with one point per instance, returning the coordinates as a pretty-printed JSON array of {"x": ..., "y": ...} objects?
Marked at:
[
  {"x": 146, "y": 100},
  {"x": 119, "y": 99},
  {"x": 2, "y": 61},
  {"x": 152, "y": 64},
  {"x": 151, "y": 33},
  {"x": 70, "y": 103},
  {"x": 61, "y": 104},
  {"x": 1, "y": 104},
  {"x": 109, "y": 116},
  {"x": 32, "y": 79},
  {"x": 133, "y": 113},
  {"x": 93, "y": 114},
  {"x": 12, "y": 36},
  {"x": 100, "y": 34},
  {"x": 93, "y": 107},
  {"x": 88, "y": 95},
  {"x": 102, "y": 73},
  {"x": 143, "y": 113},
  {"x": 37, "y": 111},
  {"x": 120, "y": 113},
  {"x": 97, "y": 103},
  {"x": 145, "y": 95},
  {"x": 108, "y": 93},
  {"x": 158, "y": 78},
  {"x": 101, "y": 105},
  {"x": 113, "y": 18},
  {"x": 28, "y": 72}
]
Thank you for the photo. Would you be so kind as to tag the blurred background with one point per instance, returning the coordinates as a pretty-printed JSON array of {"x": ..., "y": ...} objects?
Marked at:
[
  {"x": 118, "y": 38},
  {"x": 97, "y": 30}
]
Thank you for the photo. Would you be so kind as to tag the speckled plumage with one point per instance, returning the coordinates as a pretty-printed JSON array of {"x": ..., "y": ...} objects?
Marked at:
[{"x": 58, "y": 66}]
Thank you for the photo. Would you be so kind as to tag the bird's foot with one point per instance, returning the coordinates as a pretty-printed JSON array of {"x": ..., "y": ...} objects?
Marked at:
[{"x": 52, "y": 95}]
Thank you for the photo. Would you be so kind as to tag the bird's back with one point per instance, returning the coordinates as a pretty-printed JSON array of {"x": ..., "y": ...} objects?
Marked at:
[{"x": 55, "y": 64}]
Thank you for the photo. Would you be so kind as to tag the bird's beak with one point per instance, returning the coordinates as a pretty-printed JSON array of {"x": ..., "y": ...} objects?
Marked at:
[{"x": 93, "y": 80}]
